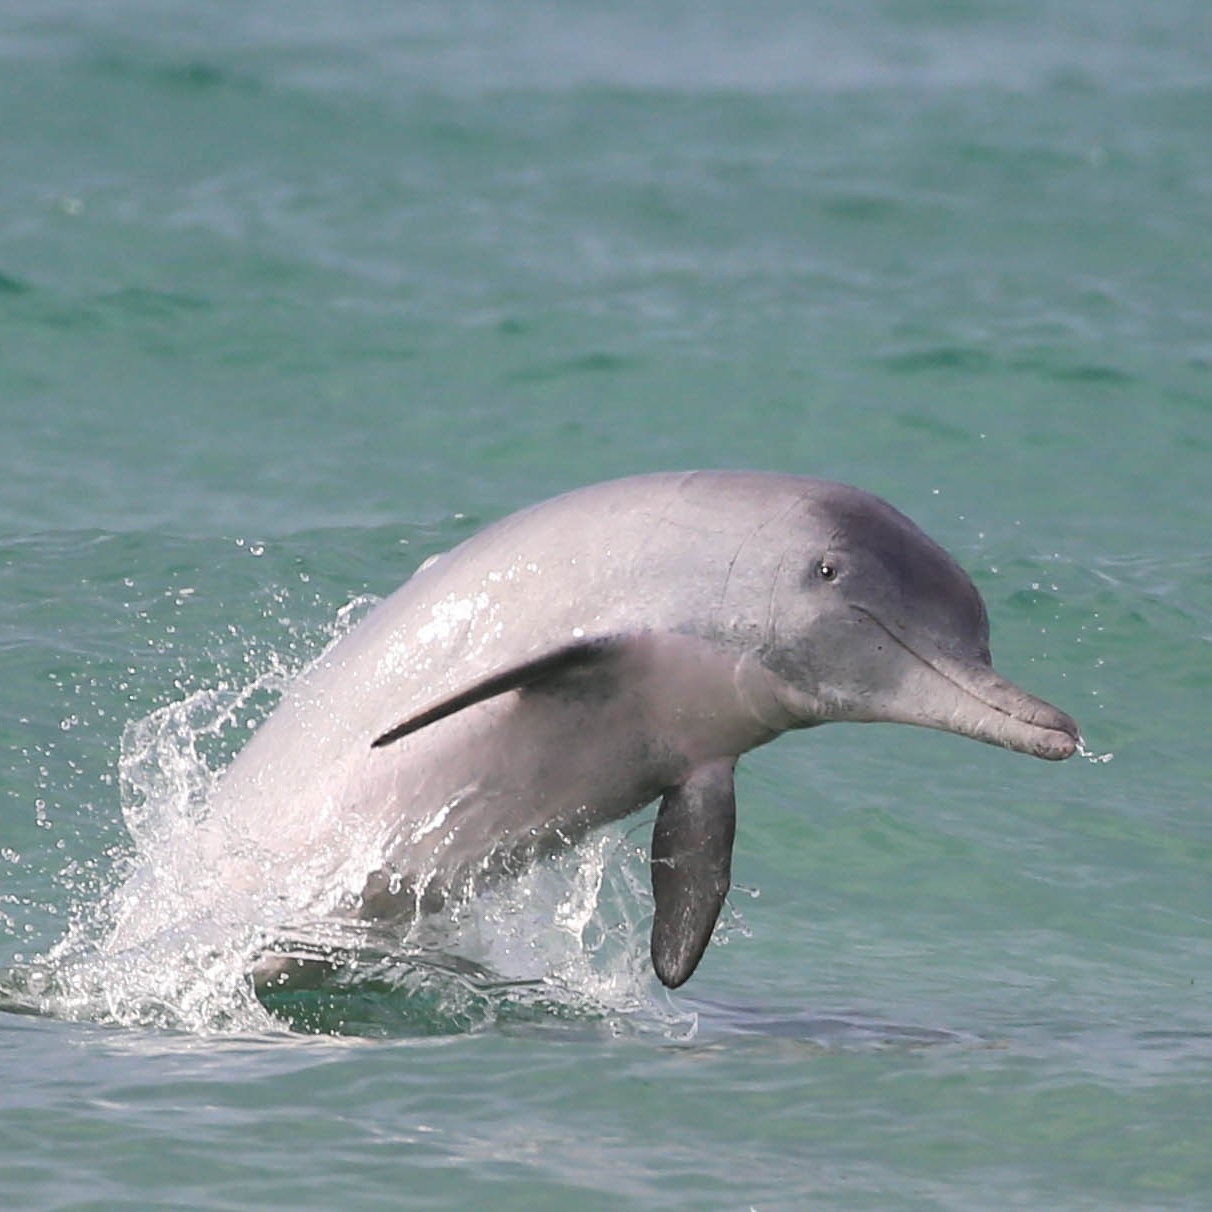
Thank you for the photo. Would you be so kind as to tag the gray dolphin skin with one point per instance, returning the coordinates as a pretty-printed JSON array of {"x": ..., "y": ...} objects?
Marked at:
[{"x": 585, "y": 657}]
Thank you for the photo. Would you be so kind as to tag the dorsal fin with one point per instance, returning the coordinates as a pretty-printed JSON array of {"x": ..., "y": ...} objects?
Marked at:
[{"x": 576, "y": 655}]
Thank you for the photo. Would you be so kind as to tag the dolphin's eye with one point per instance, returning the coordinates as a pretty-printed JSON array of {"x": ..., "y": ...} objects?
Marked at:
[{"x": 827, "y": 570}]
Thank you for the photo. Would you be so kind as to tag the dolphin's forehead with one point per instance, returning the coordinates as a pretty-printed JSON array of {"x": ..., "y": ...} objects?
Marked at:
[
  {"x": 894, "y": 559},
  {"x": 855, "y": 519}
]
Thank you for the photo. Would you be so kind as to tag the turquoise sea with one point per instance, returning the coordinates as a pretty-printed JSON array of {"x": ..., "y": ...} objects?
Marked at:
[{"x": 293, "y": 295}]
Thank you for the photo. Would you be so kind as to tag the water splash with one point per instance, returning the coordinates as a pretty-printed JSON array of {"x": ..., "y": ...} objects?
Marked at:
[
  {"x": 1090, "y": 756},
  {"x": 186, "y": 966},
  {"x": 166, "y": 945},
  {"x": 566, "y": 944}
]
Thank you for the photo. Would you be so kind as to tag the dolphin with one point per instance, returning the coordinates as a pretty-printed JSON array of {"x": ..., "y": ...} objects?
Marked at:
[{"x": 572, "y": 663}]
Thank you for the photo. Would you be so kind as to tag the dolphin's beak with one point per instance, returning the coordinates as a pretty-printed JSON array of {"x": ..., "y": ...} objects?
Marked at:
[
  {"x": 969, "y": 697},
  {"x": 977, "y": 702}
]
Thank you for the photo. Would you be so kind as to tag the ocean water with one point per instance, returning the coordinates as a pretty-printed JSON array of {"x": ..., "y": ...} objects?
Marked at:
[{"x": 295, "y": 295}]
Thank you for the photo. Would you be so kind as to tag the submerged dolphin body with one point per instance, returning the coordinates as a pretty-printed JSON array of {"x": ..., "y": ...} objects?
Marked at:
[{"x": 582, "y": 658}]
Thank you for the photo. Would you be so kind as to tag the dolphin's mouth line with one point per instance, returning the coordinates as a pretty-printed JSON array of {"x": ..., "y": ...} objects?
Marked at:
[{"x": 980, "y": 698}]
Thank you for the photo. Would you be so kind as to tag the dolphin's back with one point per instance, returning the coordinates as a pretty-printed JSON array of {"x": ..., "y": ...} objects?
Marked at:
[{"x": 649, "y": 553}]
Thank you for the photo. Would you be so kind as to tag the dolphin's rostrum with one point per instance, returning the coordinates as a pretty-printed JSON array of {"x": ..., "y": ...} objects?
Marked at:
[{"x": 620, "y": 644}]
